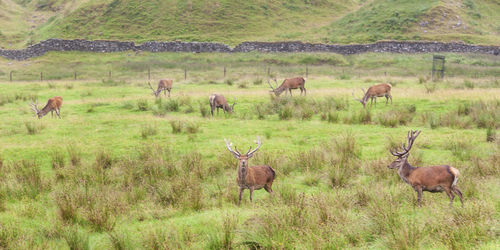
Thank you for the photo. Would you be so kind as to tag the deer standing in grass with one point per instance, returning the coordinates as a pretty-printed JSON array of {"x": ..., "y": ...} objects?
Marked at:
[
  {"x": 163, "y": 85},
  {"x": 251, "y": 177},
  {"x": 432, "y": 179},
  {"x": 289, "y": 84},
  {"x": 379, "y": 90},
  {"x": 219, "y": 101},
  {"x": 53, "y": 104}
]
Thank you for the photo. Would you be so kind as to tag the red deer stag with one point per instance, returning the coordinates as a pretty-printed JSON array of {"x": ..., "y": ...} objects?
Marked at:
[
  {"x": 163, "y": 85},
  {"x": 432, "y": 179},
  {"x": 54, "y": 104},
  {"x": 219, "y": 101},
  {"x": 379, "y": 90},
  {"x": 289, "y": 84},
  {"x": 251, "y": 177}
]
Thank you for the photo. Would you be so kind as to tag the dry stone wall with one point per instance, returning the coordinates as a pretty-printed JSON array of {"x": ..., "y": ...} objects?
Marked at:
[{"x": 197, "y": 47}]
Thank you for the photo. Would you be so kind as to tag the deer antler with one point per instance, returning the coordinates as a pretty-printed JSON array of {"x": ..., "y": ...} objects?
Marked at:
[
  {"x": 270, "y": 84},
  {"x": 34, "y": 106},
  {"x": 151, "y": 87},
  {"x": 229, "y": 144},
  {"x": 259, "y": 144},
  {"x": 412, "y": 135}
]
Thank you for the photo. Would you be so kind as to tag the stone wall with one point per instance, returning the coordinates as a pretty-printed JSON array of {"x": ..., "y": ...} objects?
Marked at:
[{"x": 197, "y": 47}]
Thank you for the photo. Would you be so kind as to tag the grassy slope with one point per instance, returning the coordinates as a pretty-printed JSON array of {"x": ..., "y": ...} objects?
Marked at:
[{"x": 231, "y": 22}]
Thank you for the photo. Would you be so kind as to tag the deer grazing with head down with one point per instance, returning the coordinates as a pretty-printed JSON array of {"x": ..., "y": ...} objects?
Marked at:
[
  {"x": 53, "y": 104},
  {"x": 163, "y": 85},
  {"x": 251, "y": 177},
  {"x": 379, "y": 90},
  {"x": 432, "y": 179},
  {"x": 219, "y": 101},
  {"x": 289, "y": 84}
]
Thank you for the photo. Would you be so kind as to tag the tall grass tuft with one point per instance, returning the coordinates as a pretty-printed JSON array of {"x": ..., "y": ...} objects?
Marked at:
[{"x": 148, "y": 130}]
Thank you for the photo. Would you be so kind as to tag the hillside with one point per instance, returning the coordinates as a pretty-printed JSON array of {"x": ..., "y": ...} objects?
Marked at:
[{"x": 233, "y": 21}]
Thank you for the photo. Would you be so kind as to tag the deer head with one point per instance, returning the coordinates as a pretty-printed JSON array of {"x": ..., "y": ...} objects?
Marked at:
[
  {"x": 35, "y": 108},
  {"x": 273, "y": 90},
  {"x": 403, "y": 155},
  {"x": 156, "y": 93},
  {"x": 243, "y": 158},
  {"x": 231, "y": 109},
  {"x": 362, "y": 101}
]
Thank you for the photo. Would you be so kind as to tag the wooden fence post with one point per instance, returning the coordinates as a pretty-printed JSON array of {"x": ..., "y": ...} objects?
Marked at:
[
  {"x": 75, "y": 75},
  {"x": 268, "y": 72},
  {"x": 149, "y": 74},
  {"x": 185, "y": 73},
  {"x": 307, "y": 71},
  {"x": 110, "y": 74},
  {"x": 10, "y": 75},
  {"x": 224, "y": 71},
  {"x": 41, "y": 76}
]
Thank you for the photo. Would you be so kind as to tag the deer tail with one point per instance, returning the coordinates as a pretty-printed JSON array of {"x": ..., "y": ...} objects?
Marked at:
[
  {"x": 455, "y": 174},
  {"x": 272, "y": 170}
]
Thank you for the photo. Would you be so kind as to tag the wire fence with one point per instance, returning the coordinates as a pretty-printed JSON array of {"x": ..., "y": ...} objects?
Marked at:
[{"x": 216, "y": 73}]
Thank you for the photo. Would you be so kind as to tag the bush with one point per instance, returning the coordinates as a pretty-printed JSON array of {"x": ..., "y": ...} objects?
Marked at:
[
  {"x": 229, "y": 82},
  {"x": 490, "y": 135},
  {"x": 176, "y": 126},
  {"x": 192, "y": 128},
  {"x": 468, "y": 84},
  {"x": 172, "y": 105},
  {"x": 33, "y": 127},
  {"x": 204, "y": 109},
  {"x": 430, "y": 87},
  {"x": 58, "y": 159},
  {"x": 148, "y": 130},
  {"x": 243, "y": 85},
  {"x": 286, "y": 112},
  {"x": 75, "y": 155},
  {"x": 142, "y": 105},
  {"x": 257, "y": 81}
]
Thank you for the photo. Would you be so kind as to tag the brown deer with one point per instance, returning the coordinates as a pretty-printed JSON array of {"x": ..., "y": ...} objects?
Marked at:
[
  {"x": 379, "y": 90},
  {"x": 432, "y": 179},
  {"x": 219, "y": 101},
  {"x": 53, "y": 104},
  {"x": 163, "y": 85},
  {"x": 289, "y": 84},
  {"x": 252, "y": 177}
]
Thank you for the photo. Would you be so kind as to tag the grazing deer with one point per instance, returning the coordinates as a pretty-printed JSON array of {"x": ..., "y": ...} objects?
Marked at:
[
  {"x": 379, "y": 90},
  {"x": 163, "y": 85},
  {"x": 252, "y": 177},
  {"x": 289, "y": 84},
  {"x": 219, "y": 101},
  {"x": 54, "y": 104},
  {"x": 432, "y": 179}
]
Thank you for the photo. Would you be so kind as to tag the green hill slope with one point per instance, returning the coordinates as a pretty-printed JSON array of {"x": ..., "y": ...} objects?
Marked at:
[{"x": 234, "y": 21}]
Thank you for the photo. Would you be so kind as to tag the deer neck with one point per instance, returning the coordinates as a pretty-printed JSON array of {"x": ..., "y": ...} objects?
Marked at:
[
  {"x": 45, "y": 110},
  {"x": 405, "y": 171},
  {"x": 242, "y": 174}
]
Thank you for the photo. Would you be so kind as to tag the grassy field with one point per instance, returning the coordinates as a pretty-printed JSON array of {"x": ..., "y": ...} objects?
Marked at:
[
  {"x": 229, "y": 21},
  {"x": 122, "y": 170}
]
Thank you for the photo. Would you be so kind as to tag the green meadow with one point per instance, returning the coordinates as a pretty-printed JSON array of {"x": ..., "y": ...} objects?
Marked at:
[{"x": 123, "y": 170}]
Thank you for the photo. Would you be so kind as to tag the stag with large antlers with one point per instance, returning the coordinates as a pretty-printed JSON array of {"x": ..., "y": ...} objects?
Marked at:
[
  {"x": 289, "y": 84},
  {"x": 163, "y": 85},
  {"x": 432, "y": 179},
  {"x": 379, "y": 90},
  {"x": 251, "y": 177},
  {"x": 53, "y": 104},
  {"x": 219, "y": 101}
]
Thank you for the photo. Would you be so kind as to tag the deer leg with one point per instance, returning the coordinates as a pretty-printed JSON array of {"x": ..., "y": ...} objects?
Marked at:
[
  {"x": 169, "y": 93},
  {"x": 450, "y": 194},
  {"x": 375, "y": 101},
  {"x": 419, "y": 195},
  {"x": 386, "y": 99},
  {"x": 268, "y": 188},
  {"x": 390, "y": 96},
  {"x": 290, "y": 91},
  {"x": 251, "y": 194},
  {"x": 52, "y": 113},
  {"x": 241, "y": 194},
  {"x": 58, "y": 113},
  {"x": 305, "y": 92},
  {"x": 459, "y": 193}
]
